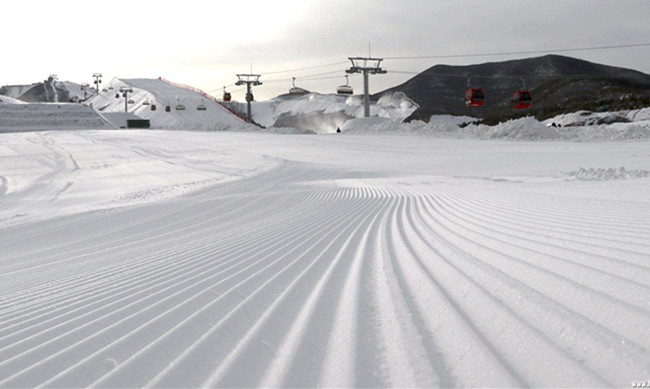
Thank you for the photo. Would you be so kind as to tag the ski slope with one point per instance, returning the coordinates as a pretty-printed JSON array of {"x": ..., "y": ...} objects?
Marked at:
[
  {"x": 161, "y": 94},
  {"x": 330, "y": 261}
]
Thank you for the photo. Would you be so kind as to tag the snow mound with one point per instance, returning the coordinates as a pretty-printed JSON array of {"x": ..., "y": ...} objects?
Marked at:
[
  {"x": 49, "y": 116},
  {"x": 523, "y": 129},
  {"x": 324, "y": 113},
  {"x": 183, "y": 102},
  {"x": 10, "y": 100},
  {"x": 607, "y": 174}
]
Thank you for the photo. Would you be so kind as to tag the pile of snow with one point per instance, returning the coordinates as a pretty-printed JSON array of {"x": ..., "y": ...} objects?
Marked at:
[
  {"x": 10, "y": 100},
  {"x": 587, "y": 118},
  {"x": 324, "y": 113},
  {"x": 603, "y": 174},
  {"x": 148, "y": 93},
  {"x": 525, "y": 129},
  {"x": 49, "y": 116}
]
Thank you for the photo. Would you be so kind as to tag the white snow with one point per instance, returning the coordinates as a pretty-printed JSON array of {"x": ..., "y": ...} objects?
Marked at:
[{"x": 246, "y": 259}]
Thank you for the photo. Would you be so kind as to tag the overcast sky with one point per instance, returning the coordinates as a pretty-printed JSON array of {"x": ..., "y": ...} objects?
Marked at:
[{"x": 206, "y": 43}]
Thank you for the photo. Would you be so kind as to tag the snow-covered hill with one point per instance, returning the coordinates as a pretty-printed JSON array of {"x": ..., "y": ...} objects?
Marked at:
[
  {"x": 48, "y": 91},
  {"x": 323, "y": 113},
  {"x": 151, "y": 97}
]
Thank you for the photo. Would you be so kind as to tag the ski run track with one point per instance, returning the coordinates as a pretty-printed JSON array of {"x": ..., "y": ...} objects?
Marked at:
[{"x": 349, "y": 261}]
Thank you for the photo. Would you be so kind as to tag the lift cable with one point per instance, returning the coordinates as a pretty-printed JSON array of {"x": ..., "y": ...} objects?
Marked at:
[{"x": 521, "y": 52}]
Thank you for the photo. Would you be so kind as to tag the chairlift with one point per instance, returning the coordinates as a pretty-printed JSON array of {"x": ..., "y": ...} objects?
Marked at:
[
  {"x": 130, "y": 101},
  {"x": 110, "y": 88},
  {"x": 296, "y": 91},
  {"x": 474, "y": 97},
  {"x": 179, "y": 106},
  {"x": 201, "y": 107},
  {"x": 153, "y": 107},
  {"x": 522, "y": 99},
  {"x": 168, "y": 108},
  {"x": 226, "y": 95},
  {"x": 146, "y": 102},
  {"x": 249, "y": 97},
  {"x": 345, "y": 89},
  {"x": 117, "y": 95},
  {"x": 104, "y": 90}
]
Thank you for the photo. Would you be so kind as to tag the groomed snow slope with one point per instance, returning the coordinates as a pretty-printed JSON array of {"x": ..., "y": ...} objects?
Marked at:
[
  {"x": 161, "y": 93},
  {"x": 356, "y": 262},
  {"x": 49, "y": 116}
]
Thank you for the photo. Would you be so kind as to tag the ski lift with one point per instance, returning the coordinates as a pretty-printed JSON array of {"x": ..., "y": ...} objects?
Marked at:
[
  {"x": 296, "y": 91},
  {"x": 146, "y": 102},
  {"x": 104, "y": 90},
  {"x": 345, "y": 89},
  {"x": 249, "y": 97},
  {"x": 522, "y": 99},
  {"x": 117, "y": 95},
  {"x": 168, "y": 108},
  {"x": 201, "y": 107},
  {"x": 226, "y": 95},
  {"x": 130, "y": 101},
  {"x": 153, "y": 107},
  {"x": 110, "y": 88},
  {"x": 474, "y": 97},
  {"x": 179, "y": 106}
]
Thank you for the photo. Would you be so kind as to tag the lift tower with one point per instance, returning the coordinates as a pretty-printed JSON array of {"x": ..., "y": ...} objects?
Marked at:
[
  {"x": 98, "y": 81},
  {"x": 366, "y": 66},
  {"x": 125, "y": 90},
  {"x": 248, "y": 80}
]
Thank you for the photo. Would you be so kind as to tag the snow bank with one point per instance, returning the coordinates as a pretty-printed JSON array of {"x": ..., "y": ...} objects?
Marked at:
[
  {"x": 49, "y": 116},
  {"x": 10, "y": 100},
  {"x": 323, "y": 113},
  {"x": 525, "y": 129}
]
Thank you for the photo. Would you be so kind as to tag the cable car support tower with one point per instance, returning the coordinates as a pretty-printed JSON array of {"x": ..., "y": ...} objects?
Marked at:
[
  {"x": 248, "y": 80},
  {"x": 366, "y": 66}
]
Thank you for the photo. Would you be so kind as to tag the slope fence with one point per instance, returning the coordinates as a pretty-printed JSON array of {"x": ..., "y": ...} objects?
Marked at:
[{"x": 202, "y": 93}]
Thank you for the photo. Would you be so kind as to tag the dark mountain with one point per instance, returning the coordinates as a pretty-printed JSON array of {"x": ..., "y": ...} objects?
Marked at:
[{"x": 558, "y": 84}]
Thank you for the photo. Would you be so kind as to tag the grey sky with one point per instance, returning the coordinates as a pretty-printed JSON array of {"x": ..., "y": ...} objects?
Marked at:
[{"x": 205, "y": 43}]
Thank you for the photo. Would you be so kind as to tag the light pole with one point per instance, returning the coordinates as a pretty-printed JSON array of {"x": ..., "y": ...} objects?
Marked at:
[
  {"x": 366, "y": 65},
  {"x": 248, "y": 80}
]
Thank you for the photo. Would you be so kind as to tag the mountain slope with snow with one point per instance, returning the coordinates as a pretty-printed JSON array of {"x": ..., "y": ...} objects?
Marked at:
[{"x": 150, "y": 93}]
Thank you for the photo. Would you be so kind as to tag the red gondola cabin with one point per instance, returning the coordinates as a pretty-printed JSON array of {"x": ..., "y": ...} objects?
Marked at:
[
  {"x": 474, "y": 97},
  {"x": 521, "y": 99},
  {"x": 226, "y": 96}
]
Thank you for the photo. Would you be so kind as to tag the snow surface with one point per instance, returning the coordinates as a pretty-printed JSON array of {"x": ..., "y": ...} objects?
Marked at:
[
  {"x": 332, "y": 261},
  {"x": 161, "y": 93}
]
